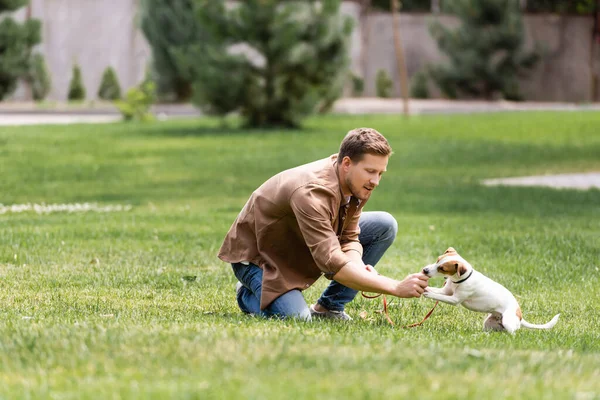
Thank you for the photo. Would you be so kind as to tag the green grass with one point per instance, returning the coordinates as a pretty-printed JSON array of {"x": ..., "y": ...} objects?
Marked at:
[{"x": 128, "y": 326}]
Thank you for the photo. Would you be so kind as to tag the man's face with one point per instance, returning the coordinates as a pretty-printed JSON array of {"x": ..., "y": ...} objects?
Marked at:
[{"x": 361, "y": 178}]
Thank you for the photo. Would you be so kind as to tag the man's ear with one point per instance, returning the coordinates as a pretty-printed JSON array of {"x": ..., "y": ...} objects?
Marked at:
[
  {"x": 461, "y": 270},
  {"x": 346, "y": 162}
]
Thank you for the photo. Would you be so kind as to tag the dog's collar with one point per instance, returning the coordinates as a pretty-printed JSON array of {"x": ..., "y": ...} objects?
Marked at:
[{"x": 464, "y": 279}]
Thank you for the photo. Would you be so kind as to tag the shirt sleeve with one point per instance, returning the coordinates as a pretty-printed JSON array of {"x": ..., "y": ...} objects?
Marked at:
[
  {"x": 349, "y": 238},
  {"x": 311, "y": 207}
]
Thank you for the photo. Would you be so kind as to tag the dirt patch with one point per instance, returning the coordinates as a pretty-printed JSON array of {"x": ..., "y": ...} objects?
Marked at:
[{"x": 563, "y": 181}]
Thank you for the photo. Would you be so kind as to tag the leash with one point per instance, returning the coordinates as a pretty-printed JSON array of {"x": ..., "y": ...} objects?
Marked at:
[{"x": 387, "y": 315}]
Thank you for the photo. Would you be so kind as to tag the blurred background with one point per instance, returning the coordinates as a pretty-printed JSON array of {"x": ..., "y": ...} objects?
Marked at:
[{"x": 84, "y": 50}]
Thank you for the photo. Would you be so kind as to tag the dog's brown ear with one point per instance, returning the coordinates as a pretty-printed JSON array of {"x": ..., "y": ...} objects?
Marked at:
[
  {"x": 450, "y": 250},
  {"x": 461, "y": 269}
]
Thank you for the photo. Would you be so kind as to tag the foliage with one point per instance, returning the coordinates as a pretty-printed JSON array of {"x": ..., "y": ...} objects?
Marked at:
[
  {"x": 419, "y": 88},
  {"x": 358, "y": 85},
  {"x": 554, "y": 6},
  {"x": 170, "y": 26},
  {"x": 12, "y": 5},
  {"x": 96, "y": 305},
  {"x": 406, "y": 5},
  {"x": 109, "y": 87},
  {"x": 273, "y": 61},
  {"x": 137, "y": 103},
  {"x": 77, "y": 90},
  {"x": 383, "y": 84},
  {"x": 39, "y": 77},
  {"x": 16, "y": 43},
  {"x": 486, "y": 53},
  {"x": 562, "y": 6}
]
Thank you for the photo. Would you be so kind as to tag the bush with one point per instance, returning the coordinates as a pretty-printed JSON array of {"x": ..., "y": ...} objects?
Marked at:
[
  {"x": 169, "y": 27},
  {"x": 407, "y": 5},
  {"x": 383, "y": 84},
  {"x": 419, "y": 88},
  {"x": 16, "y": 43},
  {"x": 273, "y": 61},
  {"x": 358, "y": 86},
  {"x": 76, "y": 88},
  {"x": 39, "y": 78},
  {"x": 109, "y": 87},
  {"x": 486, "y": 53},
  {"x": 137, "y": 102}
]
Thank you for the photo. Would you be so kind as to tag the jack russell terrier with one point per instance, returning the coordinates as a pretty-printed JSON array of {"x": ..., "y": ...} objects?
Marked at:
[{"x": 477, "y": 292}]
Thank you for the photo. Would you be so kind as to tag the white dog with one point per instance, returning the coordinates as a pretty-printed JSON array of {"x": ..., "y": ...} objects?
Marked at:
[{"x": 477, "y": 292}]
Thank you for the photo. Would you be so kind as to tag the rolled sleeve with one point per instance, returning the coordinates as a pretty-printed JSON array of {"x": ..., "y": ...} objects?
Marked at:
[
  {"x": 349, "y": 238},
  {"x": 312, "y": 208}
]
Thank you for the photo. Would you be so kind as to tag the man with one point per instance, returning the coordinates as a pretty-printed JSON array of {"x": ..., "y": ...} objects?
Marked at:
[{"x": 308, "y": 221}]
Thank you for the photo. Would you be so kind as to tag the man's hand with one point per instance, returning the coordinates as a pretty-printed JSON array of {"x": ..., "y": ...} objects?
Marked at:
[{"x": 412, "y": 286}]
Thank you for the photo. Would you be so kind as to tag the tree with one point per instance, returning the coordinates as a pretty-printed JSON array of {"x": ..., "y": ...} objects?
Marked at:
[
  {"x": 274, "y": 61},
  {"x": 407, "y": 5},
  {"x": 76, "y": 88},
  {"x": 16, "y": 43},
  {"x": 170, "y": 26},
  {"x": 39, "y": 77},
  {"x": 109, "y": 86},
  {"x": 486, "y": 53}
]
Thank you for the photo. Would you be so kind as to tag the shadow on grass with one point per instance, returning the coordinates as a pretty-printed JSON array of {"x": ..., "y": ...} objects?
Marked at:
[{"x": 214, "y": 128}]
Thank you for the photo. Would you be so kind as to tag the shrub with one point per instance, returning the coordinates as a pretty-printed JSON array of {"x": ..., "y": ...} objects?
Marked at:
[
  {"x": 383, "y": 84},
  {"x": 358, "y": 85},
  {"x": 273, "y": 61},
  {"x": 109, "y": 87},
  {"x": 419, "y": 88},
  {"x": 39, "y": 77},
  {"x": 16, "y": 43},
  {"x": 170, "y": 26},
  {"x": 486, "y": 52},
  {"x": 137, "y": 102},
  {"x": 76, "y": 88}
]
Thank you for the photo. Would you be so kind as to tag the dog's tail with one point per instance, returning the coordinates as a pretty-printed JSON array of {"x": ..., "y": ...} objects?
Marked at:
[{"x": 544, "y": 326}]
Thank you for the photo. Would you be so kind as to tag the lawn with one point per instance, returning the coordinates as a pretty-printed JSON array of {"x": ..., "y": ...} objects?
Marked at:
[{"x": 133, "y": 302}]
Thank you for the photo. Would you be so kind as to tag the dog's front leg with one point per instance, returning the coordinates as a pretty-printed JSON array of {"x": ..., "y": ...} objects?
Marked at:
[
  {"x": 438, "y": 290},
  {"x": 453, "y": 300}
]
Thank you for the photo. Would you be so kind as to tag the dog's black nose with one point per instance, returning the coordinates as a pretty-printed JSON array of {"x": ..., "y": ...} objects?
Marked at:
[{"x": 425, "y": 270}]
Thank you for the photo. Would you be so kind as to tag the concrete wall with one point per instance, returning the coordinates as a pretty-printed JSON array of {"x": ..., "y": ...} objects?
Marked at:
[
  {"x": 93, "y": 33},
  {"x": 97, "y": 34},
  {"x": 563, "y": 73}
]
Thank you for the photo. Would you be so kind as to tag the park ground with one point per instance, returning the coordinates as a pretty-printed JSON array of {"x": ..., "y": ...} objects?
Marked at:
[{"x": 110, "y": 286}]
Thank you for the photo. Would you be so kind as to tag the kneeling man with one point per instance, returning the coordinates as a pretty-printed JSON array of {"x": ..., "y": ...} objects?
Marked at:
[{"x": 308, "y": 221}]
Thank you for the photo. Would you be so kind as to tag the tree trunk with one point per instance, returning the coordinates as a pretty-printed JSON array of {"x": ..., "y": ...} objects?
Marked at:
[{"x": 400, "y": 56}]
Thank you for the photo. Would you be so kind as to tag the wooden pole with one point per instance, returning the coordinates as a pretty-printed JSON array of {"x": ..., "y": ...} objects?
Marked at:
[
  {"x": 366, "y": 30},
  {"x": 400, "y": 56},
  {"x": 25, "y": 82},
  {"x": 593, "y": 46}
]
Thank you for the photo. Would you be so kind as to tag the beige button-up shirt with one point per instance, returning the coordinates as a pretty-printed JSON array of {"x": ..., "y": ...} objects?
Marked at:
[{"x": 295, "y": 228}]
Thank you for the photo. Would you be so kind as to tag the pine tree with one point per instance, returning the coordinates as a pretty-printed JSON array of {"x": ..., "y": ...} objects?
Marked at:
[
  {"x": 486, "y": 52},
  {"x": 383, "y": 84},
  {"x": 16, "y": 43},
  {"x": 170, "y": 26},
  {"x": 39, "y": 77},
  {"x": 290, "y": 59},
  {"x": 109, "y": 86},
  {"x": 76, "y": 88}
]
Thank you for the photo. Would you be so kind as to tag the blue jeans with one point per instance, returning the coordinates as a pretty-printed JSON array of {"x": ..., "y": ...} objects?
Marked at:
[{"x": 377, "y": 232}]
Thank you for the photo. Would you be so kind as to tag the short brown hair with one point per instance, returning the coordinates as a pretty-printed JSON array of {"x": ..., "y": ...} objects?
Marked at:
[{"x": 361, "y": 141}]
